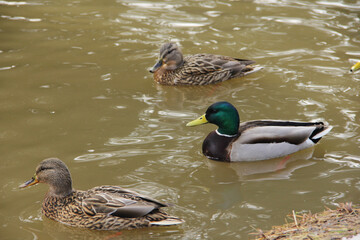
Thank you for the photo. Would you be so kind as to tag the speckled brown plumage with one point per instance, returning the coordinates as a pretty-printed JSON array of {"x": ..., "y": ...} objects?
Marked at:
[
  {"x": 198, "y": 69},
  {"x": 100, "y": 208}
]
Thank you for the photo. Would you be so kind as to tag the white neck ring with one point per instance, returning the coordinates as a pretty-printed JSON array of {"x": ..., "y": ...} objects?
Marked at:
[{"x": 224, "y": 135}]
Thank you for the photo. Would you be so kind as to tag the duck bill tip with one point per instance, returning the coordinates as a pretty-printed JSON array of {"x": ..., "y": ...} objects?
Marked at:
[
  {"x": 28, "y": 183},
  {"x": 198, "y": 121},
  {"x": 355, "y": 68},
  {"x": 157, "y": 65}
]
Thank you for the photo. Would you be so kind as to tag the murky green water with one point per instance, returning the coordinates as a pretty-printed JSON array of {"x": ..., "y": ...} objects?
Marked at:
[{"x": 75, "y": 85}]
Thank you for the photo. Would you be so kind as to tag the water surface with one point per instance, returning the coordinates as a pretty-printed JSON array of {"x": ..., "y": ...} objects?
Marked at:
[{"x": 75, "y": 85}]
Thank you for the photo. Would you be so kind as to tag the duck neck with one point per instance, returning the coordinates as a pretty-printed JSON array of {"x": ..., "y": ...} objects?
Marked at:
[
  {"x": 225, "y": 135},
  {"x": 61, "y": 188},
  {"x": 228, "y": 127}
]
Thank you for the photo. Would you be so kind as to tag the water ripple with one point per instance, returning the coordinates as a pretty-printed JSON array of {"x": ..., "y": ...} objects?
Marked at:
[
  {"x": 18, "y": 3},
  {"x": 150, "y": 5},
  {"x": 7, "y": 68},
  {"x": 17, "y": 18},
  {"x": 344, "y": 159},
  {"x": 126, "y": 153},
  {"x": 138, "y": 140},
  {"x": 339, "y": 4}
]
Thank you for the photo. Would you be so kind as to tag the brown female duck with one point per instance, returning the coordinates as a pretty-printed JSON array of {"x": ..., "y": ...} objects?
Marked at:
[
  {"x": 199, "y": 69},
  {"x": 102, "y": 208}
]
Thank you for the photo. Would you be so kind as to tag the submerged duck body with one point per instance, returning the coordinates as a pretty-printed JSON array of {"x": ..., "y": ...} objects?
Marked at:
[
  {"x": 100, "y": 208},
  {"x": 199, "y": 69},
  {"x": 254, "y": 140}
]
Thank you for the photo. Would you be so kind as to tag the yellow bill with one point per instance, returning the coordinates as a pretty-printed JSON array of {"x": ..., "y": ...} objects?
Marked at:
[
  {"x": 355, "y": 67},
  {"x": 198, "y": 121}
]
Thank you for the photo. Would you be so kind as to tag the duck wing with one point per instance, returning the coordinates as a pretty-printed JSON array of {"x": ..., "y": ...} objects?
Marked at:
[
  {"x": 260, "y": 140},
  {"x": 117, "y": 201},
  {"x": 221, "y": 60},
  {"x": 272, "y": 131},
  {"x": 204, "y": 63},
  {"x": 208, "y": 68}
]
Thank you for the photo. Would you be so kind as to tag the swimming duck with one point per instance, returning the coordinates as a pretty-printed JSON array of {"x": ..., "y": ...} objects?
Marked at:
[
  {"x": 199, "y": 69},
  {"x": 254, "y": 140},
  {"x": 101, "y": 208},
  {"x": 356, "y": 67}
]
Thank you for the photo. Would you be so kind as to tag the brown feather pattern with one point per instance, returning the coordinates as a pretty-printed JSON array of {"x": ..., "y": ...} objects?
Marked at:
[
  {"x": 76, "y": 210},
  {"x": 101, "y": 208},
  {"x": 198, "y": 69}
]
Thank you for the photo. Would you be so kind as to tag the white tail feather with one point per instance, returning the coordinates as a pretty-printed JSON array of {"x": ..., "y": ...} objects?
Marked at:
[
  {"x": 323, "y": 133},
  {"x": 255, "y": 69},
  {"x": 167, "y": 222}
]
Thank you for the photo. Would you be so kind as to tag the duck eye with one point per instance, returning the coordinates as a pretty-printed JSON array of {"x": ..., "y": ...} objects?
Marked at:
[
  {"x": 170, "y": 50},
  {"x": 44, "y": 168}
]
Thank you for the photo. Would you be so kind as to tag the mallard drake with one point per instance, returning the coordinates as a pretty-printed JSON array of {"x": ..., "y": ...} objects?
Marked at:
[
  {"x": 254, "y": 140},
  {"x": 199, "y": 69},
  {"x": 101, "y": 208},
  {"x": 355, "y": 68}
]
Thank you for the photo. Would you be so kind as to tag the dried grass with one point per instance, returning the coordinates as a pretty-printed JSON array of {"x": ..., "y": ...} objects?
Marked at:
[{"x": 330, "y": 224}]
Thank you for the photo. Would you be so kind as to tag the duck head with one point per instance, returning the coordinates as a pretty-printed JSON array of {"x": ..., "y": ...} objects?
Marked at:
[
  {"x": 55, "y": 173},
  {"x": 171, "y": 58},
  {"x": 222, "y": 114}
]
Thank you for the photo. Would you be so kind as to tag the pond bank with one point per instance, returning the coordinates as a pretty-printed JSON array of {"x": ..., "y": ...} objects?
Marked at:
[{"x": 343, "y": 222}]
